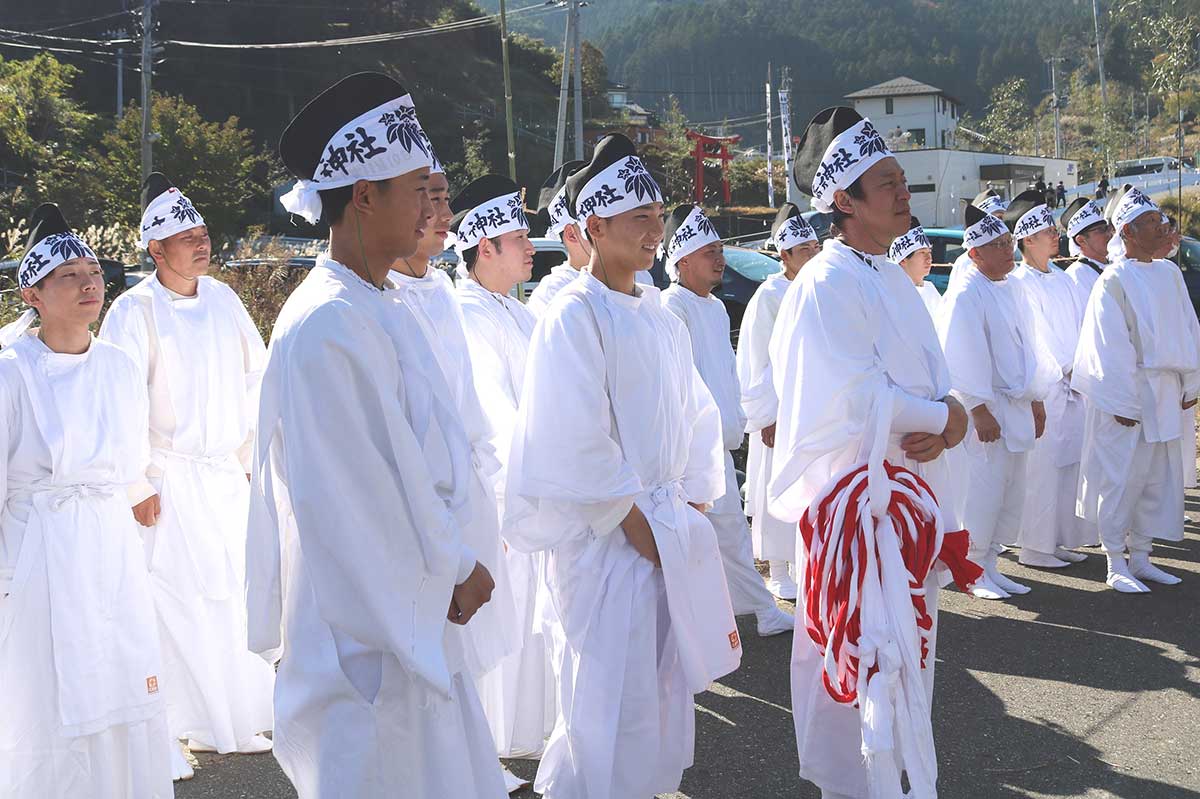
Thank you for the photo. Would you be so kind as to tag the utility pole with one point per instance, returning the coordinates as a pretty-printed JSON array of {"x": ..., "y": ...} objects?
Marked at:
[
  {"x": 770, "y": 182},
  {"x": 560, "y": 135},
  {"x": 785, "y": 125},
  {"x": 1054, "y": 101},
  {"x": 508, "y": 119},
  {"x": 147, "y": 74},
  {"x": 1103, "y": 88},
  {"x": 578, "y": 82}
]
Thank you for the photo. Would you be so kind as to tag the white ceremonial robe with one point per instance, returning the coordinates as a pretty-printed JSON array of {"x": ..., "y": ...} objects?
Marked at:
[
  {"x": 201, "y": 360},
  {"x": 998, "y": 358},
  {"x": 613, "y": 413},
  {"x": 773, "y": 539},
  {"x": 931, "y": 297},
  {"x": 1139, "y": 358},
  {"x": 847, "y": 330},
  {"x": 1083, "y": 275},
  {"x": 548, "y": 287},
  {"x": 1052, "y": 467},
  {"x": 518, "y": 696},
  {"x": 707, "y": 325},
  {"x": 960, "y": 269},
  {"x": 80, "y": 668},
  {"x": 494, "y": 633},
  {"x": 355, "y": 543}
]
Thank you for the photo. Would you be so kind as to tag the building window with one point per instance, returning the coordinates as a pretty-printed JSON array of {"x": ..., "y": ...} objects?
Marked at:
[
  {"x": 921, "y": 188},
  {"x": 888, "y": 106},
  {"x": 916, "y": 137},
  {"x": 953, "y": 111}
]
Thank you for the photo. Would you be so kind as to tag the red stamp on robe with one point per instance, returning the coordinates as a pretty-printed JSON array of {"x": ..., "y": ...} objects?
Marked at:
[
  {"x": 152, "y": 685},
  {"x": 734, "y": 640}
]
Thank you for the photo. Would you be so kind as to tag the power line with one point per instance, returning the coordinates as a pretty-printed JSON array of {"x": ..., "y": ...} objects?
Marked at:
[
  {"x": 69, "y": 39},
  {"x": 374, "y": 38}
]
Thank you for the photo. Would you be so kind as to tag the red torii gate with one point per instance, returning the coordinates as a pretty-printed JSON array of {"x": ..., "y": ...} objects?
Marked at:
[{"x": 711, "y": 148}]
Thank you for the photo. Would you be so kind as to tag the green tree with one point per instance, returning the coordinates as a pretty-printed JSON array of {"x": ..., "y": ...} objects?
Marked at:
[
  {"x": 1008, "y": 114},
  {"x": 43, "y": 135},
  {"x": 216, "y": 164},
  {"x": 671, "y": 157}
]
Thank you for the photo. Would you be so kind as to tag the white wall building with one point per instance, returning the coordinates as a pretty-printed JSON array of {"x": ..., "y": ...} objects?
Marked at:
[{"x": 944, "y": 180}]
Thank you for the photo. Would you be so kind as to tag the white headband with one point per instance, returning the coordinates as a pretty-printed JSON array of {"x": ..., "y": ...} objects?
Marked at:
[
  {"x": 167, "y": 214},
  {"x": 1084, "y": 218},
  {"x": 497, "y": 216},
  {"x": 992, "y": 204},
  {"x": 985, "y": 230},
  {"x": 383, "y": 143},
  {"x": 907, "y": 244},
  {"x": 620, "y": 187},
  {"x": 847, "y": 157},
  {"x": 560, "y": 214},
  {"x": 49, "y": 254},
  {"x": 1035, "y": 220},
  {"x": 794, "y": 231},
  {"x": 695, "y": 232}
]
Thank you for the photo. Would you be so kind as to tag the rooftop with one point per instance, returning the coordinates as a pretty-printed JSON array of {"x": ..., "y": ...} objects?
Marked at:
[{"x": 897, "y": 87}]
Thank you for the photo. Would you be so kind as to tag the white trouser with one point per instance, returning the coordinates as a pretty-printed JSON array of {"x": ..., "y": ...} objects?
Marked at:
[{"x": 995, "y": 497}]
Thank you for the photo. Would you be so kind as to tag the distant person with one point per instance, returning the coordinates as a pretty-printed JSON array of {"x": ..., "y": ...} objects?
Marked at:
[
  {"x": 1050, "y": 197},
  {"x": 1060, "y": 195},
  {"x": 1040, "y": 186},
  {"x": 1102, "y": 187}
]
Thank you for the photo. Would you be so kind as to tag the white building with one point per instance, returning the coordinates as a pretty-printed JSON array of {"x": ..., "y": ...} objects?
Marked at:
[
  {"x": 904, "y": 106},
  {"x": 944, "y": 180}
]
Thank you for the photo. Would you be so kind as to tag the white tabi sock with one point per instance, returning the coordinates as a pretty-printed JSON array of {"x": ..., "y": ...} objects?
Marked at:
[
  {"x": 1120, "y": 578},
  {"x": 1141, "y": 568},
  {"x": 512, "y": 783},
  {"x": 984, "y": 588},
  {"x": 773, "y": 621},
  {"x": 780, "y": 582},
  {"x": 1069, "y": 555},
  {"x": 180, "y": 768},
  {"x": 1041, "y": 560},
  {"x": 1011, "y": 586}
]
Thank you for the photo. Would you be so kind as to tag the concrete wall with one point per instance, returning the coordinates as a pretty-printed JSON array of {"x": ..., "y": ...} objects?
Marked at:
[{"x": 923, "y": 112}]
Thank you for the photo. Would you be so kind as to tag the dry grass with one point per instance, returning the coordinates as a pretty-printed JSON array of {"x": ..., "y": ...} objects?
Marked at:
[{"x": 265, "y": 285}]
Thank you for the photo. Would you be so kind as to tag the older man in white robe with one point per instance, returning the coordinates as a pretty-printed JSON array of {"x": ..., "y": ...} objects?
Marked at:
[
  {"x": 357, "y": 567},
  {"x": 694, "y": 257},
  {"x": 1138, "y": 364},
  {"x": 1048, "y": 526},
  {"x": 1002, "y": 371},
  {"x": 202, "y": 360},
  {"x": 853, "y": 332},
  {"x": 774, "y": 540},
  {"x": 990, "y": 202},
  {"x": 518, "y": 695},
  {"x": 613, "y": 492}
]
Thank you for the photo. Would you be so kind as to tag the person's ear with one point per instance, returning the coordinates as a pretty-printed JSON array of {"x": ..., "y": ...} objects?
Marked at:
[
  {"x": 843, "y": 202},
  {"x": 362, "y": 196},
  {"x": 155, "y": 250},
  {"x": 593, "y": 227},
  {"x": 32, "y": 297},
  {"x": 486, "y": 249}
]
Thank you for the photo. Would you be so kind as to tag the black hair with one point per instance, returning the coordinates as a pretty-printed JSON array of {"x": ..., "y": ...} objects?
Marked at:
[
  {"x": 855, "y": 190},
  {"x": 470, "y": 256},
  {"x": 1021, "y": 245},
  {"x": 334, "y": 201}
]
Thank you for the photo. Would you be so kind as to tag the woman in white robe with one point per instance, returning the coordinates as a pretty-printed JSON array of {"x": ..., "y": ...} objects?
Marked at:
[{"x": 80, "y": 669}]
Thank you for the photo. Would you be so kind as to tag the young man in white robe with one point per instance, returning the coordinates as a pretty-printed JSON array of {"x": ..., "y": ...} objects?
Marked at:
[
  {"x": 914, "y": 253},
  {"x": 553, "y": 206},
  {"x": 80, "y": 669},
  {"x": 851, "y": 332},
  {"x": 617, "y": 449},
  {"x": 356, "y": 556},
  {"x": 201, "y": 359},
  {"x": 518, "y": 695},
  {"x": 428, "y": 294},
  {"x": 1049, "y": 529},
  {"x": 694, "y": 258},
  {"x": 1002, "y": 371},
  {"x": 990, "y": 202},
  {"x": 1138, "y": 364},
  {"x": 774, "y": 540}
]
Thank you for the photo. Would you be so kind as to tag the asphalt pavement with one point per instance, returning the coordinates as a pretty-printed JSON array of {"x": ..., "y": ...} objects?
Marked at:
[{"x": 1070, "y": 691}]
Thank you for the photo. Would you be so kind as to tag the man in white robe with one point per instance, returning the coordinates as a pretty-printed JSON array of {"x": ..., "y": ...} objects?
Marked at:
[
  {"x": 774, "y": 540},
  {"x": 518, "y": 695},
  {"x": 1138, "y": 364},
  {"x": 1088, "y": 234},
  {"x": 1048, "y": 526},
  {"x": 201, "y": 359},
  {"x": 560, "y": 224},
  {"x": 990, "y": 202},
  {"x": 1002, "y": 370},
  {"x": 356, "y": 557},
  {"x": 914, "y": 254},
  {"x": 612, "y": 492},
  {"x": 80, "y": 666},
  {"x": 850, "y": 328},
  {"x": 694, "y": 258}
]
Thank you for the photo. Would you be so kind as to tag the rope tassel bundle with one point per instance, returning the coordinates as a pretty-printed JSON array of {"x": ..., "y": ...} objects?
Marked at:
[{"x": 870, "y": 541}]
